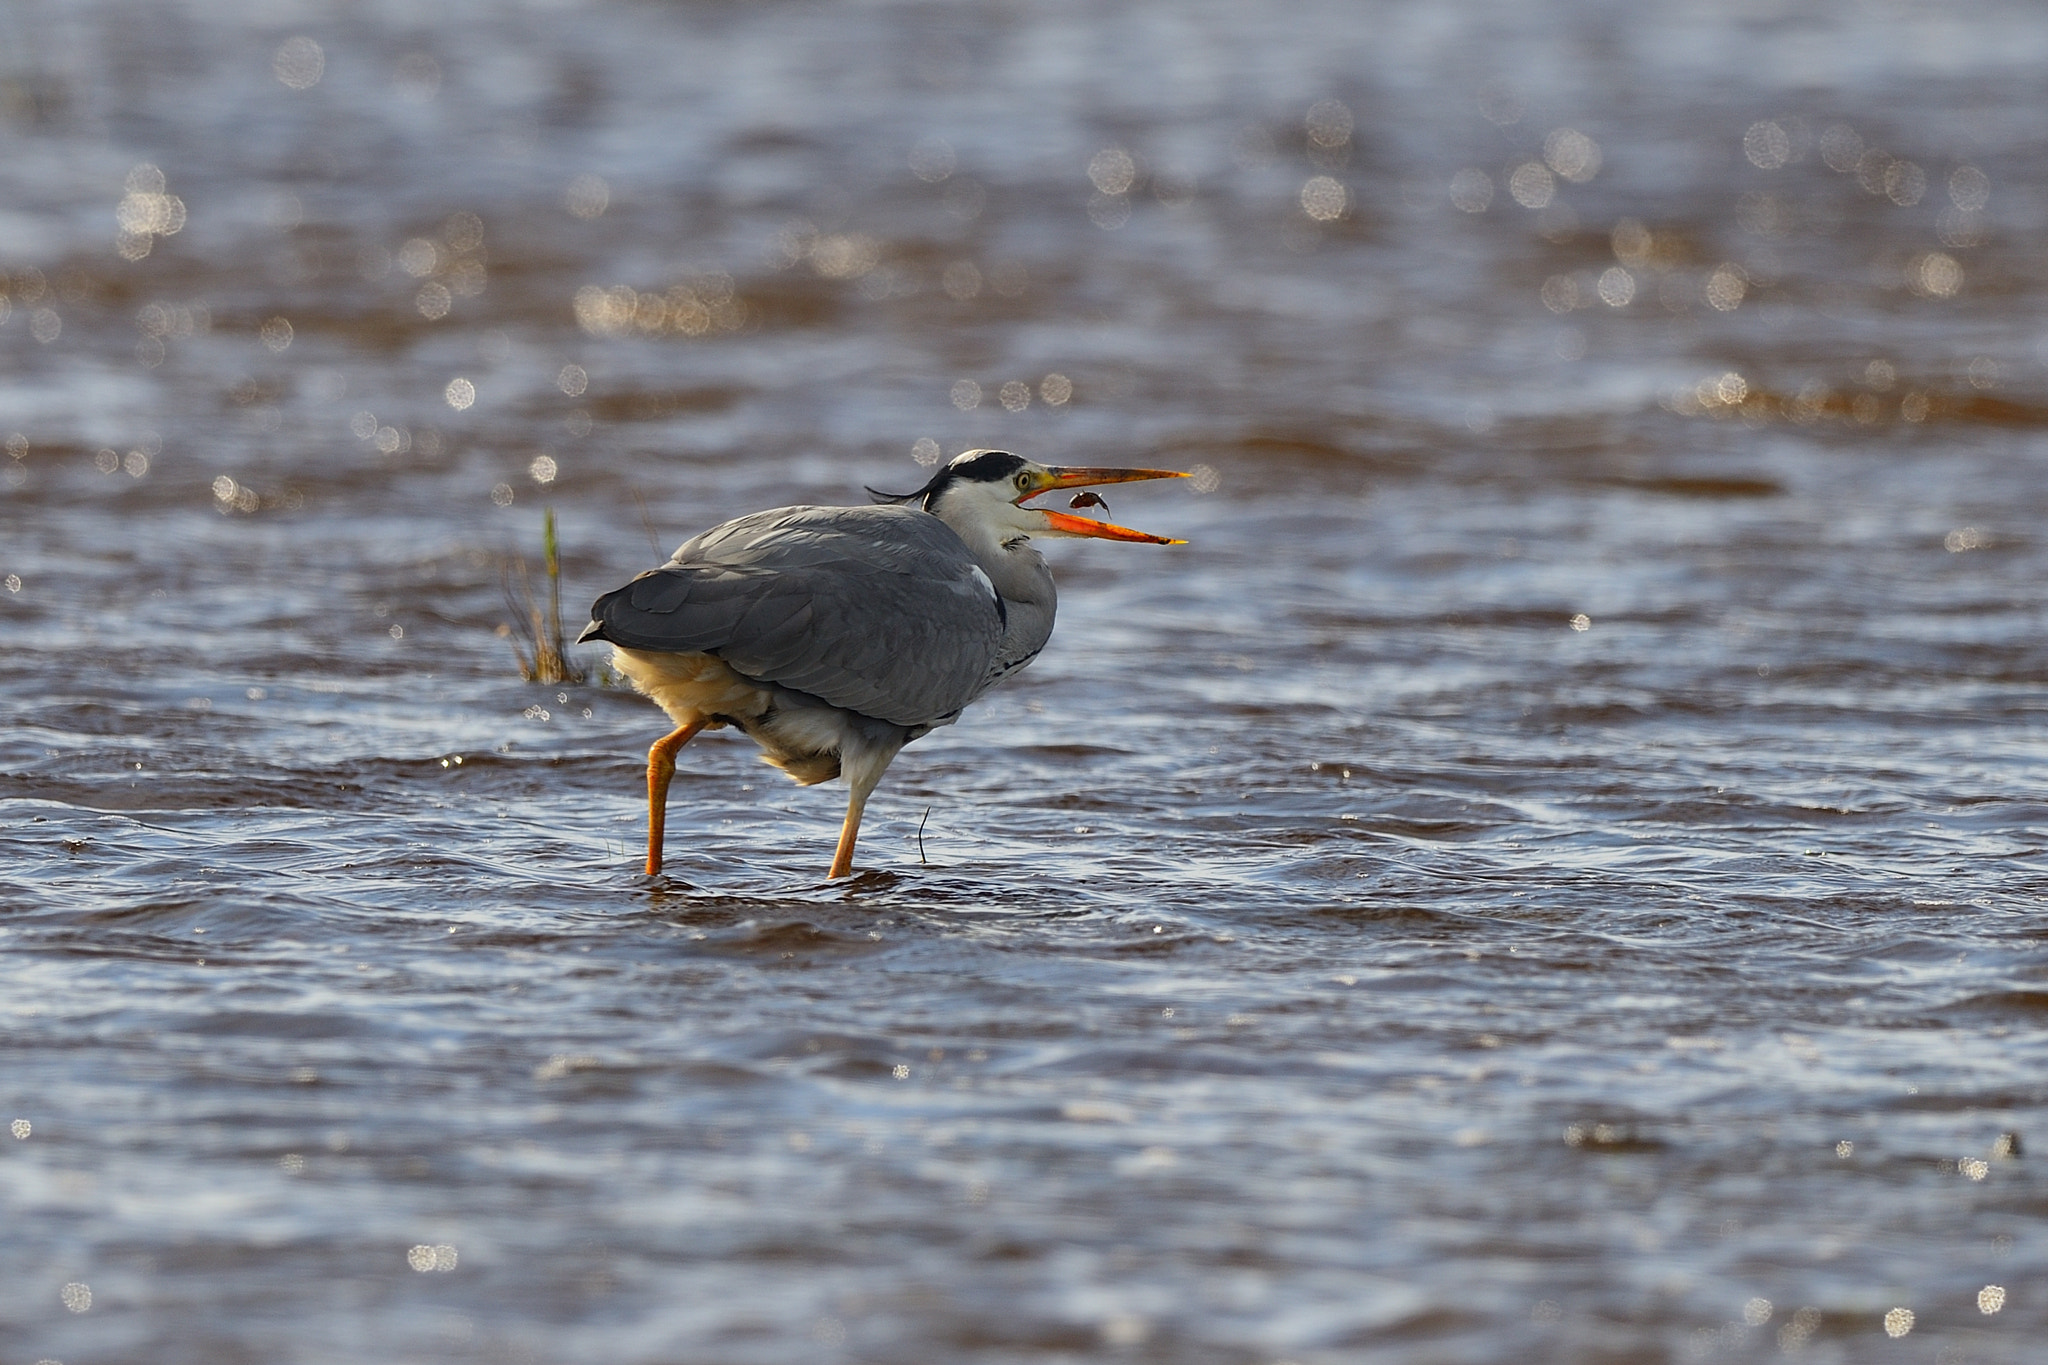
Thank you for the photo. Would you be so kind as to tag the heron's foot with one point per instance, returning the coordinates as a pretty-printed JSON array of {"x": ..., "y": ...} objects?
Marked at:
[{"x": 868, "y": 879}]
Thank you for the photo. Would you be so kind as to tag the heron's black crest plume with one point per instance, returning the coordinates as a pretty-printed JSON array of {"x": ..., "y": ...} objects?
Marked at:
[{"x": 980, "y": 466}]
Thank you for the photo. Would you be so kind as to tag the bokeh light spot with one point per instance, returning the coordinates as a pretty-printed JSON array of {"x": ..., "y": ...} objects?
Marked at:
[
  {"x": 1726, "y": 287},
  {"x": 1632, "y": 242},
  {"x": 1109, "y": 211},
  {"x": 425, "y": 1259},
  {"x": 1797, "y": 1332},
  {"x": 1531, "y": 185},
  {"x": 1841, "y": 147},
  {"x": 587, "y": 197},
  {"x": 146, "y": 212},
  {"x": 844, "y": 256},
  {"x": 467, "y": 278},
  {"x": 1572, "y": 154},
  {"x": 1905, "y": 183},
  {"x": 932, "y": 159},
  {"x": 1969, "y": 188},
  {"x": 463, "y": 232},
  {"x": 419, "y": 257},
  {"x": 1560, "y": 293},
  {"x": 1960, "y": 228},
  {"x": 460, "y": 393},
  {"x": 1329, "y": 124},
  {"x": 1112, "y": 171},
  {"x": 1767, "y": 145},
  {"x": 299, "y": 63},
  {"x": 1324, "y": 199},
  {"x": 1471, "y": 190},
  {"x": 961, "y": 280},
  {"x": 1934, "y": 274}
]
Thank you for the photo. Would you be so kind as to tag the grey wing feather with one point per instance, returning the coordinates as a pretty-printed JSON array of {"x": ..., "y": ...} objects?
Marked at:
[{"x": 880, "y": 610}]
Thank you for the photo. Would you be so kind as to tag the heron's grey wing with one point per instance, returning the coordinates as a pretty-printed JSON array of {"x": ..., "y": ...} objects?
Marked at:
[
  {"x": 695, "y": 601},
  {"x": 880, "y": 610}
]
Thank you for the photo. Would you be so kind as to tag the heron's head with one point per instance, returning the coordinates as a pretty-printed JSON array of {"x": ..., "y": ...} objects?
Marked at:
[{"x": 985, "y": 490}]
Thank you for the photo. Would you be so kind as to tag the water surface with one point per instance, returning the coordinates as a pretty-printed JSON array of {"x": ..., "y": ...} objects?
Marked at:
[{"x": 1550, "y": 872}]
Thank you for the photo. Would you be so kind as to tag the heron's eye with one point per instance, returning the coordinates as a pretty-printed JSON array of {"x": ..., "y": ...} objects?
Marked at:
[{"x": 1023, "y": 482}]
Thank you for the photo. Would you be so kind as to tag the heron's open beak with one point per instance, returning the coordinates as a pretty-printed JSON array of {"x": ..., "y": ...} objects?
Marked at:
[{"x": 1083, "y": 476}]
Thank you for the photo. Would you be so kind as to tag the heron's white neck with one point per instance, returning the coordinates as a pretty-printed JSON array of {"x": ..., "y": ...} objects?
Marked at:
[
  {"x": 997, "y": 533},
  {"x": 1017, "y": 572},
  {"x": 1007, "y": 556}
]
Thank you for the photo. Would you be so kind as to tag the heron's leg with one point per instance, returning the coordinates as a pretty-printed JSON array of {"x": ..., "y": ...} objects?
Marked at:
[
  {"x": 863, "y": 765},
  {"x": 661, "y": 766},
  {"x": 856, "y": 802}
]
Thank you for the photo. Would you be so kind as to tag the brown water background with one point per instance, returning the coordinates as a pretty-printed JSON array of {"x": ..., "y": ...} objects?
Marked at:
[{"x": 1552, "y": 872}]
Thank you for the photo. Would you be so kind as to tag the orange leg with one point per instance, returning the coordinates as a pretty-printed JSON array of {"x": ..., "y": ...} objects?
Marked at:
[
  {"x": 862, "y": 764},
  {"x": 661, "y": 766},
  {"x": 842, "y": 861}
]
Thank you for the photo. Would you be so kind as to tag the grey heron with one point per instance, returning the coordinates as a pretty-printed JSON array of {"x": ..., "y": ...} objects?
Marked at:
[{"x": 834, "y": 636}]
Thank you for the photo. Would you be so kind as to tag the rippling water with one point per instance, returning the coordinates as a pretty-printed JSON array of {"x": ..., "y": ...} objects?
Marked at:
[{"x": 1550, "y": 873}]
